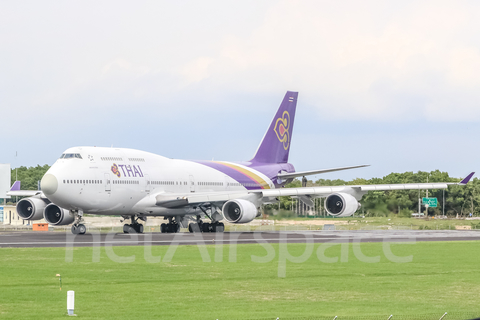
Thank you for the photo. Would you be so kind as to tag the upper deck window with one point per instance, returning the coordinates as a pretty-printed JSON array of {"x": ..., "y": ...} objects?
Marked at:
[{"x": 71, "y": 156}]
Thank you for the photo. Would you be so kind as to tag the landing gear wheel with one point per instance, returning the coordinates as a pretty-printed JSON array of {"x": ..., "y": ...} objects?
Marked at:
[
  {"x": 206, "y": 227},
  {"x": 129, "y": 228},
  {"x": 172, "y": 227},
  {"x": 81, "y": 229},
  {"x": 139, "y": 228},
  {"x": 74, "y": 229},
  {"x": 219, "y": 227},
  {"x": 194, "y": 227}
]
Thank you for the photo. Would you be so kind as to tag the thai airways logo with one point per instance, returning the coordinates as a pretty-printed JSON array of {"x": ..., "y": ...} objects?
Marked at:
[
  {"x": 115, "y": 170},
  {"x": 128, "y": 170},
  {"x": 281, "y": 129}
]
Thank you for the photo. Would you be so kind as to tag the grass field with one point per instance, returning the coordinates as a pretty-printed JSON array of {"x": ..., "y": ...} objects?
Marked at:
[{"x": 442, "y": 277}]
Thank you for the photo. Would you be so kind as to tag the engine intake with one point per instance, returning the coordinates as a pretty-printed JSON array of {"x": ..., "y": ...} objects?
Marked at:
[
  {"x": 57, "y": 216},
  {"x": 341, "y": 204},
  {"x": 239, "y": 211},
  {"x": 31, "y": 208}
]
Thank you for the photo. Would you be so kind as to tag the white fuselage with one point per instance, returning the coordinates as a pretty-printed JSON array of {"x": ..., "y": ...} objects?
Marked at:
[{"x": 111, "y": 181}]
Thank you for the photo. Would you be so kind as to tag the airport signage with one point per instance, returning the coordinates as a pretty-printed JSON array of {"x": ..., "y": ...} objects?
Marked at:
[{"x": 431, "y": 202}]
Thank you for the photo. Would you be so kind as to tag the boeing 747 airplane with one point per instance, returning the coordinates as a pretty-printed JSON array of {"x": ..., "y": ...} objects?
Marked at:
[{"x": 137, "y": 184}]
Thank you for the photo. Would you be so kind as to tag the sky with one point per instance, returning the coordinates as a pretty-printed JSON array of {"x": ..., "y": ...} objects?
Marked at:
[{"x": 393, "y": 84}]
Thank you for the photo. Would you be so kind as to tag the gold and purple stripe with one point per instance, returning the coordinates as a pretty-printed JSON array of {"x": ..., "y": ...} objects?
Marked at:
[{"x": 248, "y": 178}]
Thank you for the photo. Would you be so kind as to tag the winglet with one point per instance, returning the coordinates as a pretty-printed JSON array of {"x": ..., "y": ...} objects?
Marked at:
[
  {"x": 15, "y": 186},
  {"x": 466, "y": 179}
]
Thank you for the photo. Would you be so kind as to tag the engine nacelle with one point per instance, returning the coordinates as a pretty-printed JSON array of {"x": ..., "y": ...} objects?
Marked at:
[
  {"x": 341, "y": 204},
  {"x": 31, "y": 208},
  {"x": 57, "y": 216},
  {"x": 239, "y": 211}
]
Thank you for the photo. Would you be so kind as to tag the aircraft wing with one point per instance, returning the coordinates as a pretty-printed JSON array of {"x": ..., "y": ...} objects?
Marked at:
[
  {"x": 325, "y": 191},
  {"x": 26, "y": 193},
  {"x": 15, "y": 191},
  {"x": 290, "y": 175},
  {"x": 175, "y": 200},
  {"x": 357, "y": 190}
]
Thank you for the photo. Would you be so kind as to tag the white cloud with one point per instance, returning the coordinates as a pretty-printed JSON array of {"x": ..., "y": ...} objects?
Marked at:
[
  {"x": 354, "y": 60},
  {"x": 360, "y": 64}
]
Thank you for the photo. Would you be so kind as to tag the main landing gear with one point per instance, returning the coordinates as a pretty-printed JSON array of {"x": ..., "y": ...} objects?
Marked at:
[
  {"x": 134, "y": 227},
  {"x": 200, "y": 226},
  {"x": 77, "y": 227},
  {"x": 170, "y": 227}
]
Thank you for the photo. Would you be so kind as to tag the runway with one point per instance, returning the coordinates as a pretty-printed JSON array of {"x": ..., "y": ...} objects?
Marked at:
[{"x": 33, "y": 239}]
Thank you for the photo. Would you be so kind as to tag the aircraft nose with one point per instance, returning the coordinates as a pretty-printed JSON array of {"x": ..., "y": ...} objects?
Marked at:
[{"x": 49, "y": 184}]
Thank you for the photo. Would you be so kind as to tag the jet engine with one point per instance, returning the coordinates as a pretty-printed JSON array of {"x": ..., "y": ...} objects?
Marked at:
[
  {"x": 341, "y": 204},
  {"x": 31, "y": 208},
  {"x": 239, "y": 211},
  {"x": 57, "y": 216}
]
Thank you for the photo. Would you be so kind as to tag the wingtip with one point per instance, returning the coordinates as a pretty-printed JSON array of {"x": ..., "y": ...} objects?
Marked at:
[{"x": 466, "y": 179}]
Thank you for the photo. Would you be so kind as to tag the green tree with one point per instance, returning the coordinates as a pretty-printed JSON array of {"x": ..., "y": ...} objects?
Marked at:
[{"x": 30, "y": 176}]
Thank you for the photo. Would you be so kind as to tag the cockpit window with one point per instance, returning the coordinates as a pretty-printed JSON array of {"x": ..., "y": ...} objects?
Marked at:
[{"x": 70, "y": 156}]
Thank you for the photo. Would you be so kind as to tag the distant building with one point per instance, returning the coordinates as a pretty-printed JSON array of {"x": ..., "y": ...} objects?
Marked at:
[{"x": 9, "y": 216}]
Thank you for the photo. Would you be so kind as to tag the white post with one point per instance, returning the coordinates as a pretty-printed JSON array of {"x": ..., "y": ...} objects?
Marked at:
[
  {"x": 70, "y": 302},
  {"x": 443, "y": 205}
]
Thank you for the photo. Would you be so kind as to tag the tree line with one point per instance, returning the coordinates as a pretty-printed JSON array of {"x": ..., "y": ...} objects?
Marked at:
[{"x": 459, "y": 200}]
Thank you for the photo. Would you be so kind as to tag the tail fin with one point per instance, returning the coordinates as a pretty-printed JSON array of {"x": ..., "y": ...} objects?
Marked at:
[{"x": 275, "y": 145}]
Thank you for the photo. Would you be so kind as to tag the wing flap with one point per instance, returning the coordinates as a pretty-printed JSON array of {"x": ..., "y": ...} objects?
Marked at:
[
  {"x": 406, "y": 186},
  {"x": 315, "y": 191}
]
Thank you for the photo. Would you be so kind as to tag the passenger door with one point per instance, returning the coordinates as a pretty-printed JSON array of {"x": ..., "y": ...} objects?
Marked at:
[
  {"x": 147, "y": 183},
  {"x": 192, "y": 184},
  {"x": 108, "y": 182}
]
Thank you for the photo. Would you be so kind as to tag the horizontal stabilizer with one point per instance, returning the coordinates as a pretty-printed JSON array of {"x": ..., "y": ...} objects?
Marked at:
[{"x": 291, "y": 175}]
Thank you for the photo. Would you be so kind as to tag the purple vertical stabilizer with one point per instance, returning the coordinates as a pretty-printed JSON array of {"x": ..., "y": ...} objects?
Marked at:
[
  {"x": 15, "y": 186},
  {"x": 276, "y": 143}
]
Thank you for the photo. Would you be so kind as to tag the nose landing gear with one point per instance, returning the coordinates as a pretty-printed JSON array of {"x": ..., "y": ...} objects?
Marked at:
[{"x": 77, "y": 227}]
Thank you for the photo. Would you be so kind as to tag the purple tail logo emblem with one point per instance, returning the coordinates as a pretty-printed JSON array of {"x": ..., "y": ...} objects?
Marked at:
[
  {"x": 281, "y": 129},
  {"x": 115, "y": 170}
]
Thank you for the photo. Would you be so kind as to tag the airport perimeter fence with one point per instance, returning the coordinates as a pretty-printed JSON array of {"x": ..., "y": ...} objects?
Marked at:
[{"x": 429, "y": 316}]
